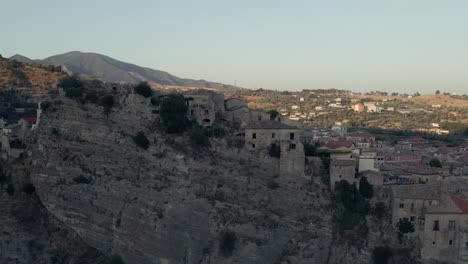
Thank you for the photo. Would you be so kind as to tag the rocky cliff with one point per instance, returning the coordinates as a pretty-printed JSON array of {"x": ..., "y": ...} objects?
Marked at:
[{"x": 174, "y": 203}]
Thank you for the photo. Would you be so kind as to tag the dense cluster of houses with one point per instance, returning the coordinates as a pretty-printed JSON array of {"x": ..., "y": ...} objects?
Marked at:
[{"x": 439, "y": 214}]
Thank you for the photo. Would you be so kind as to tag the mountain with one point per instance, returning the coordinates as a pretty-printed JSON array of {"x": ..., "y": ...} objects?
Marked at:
[
  {"x": 22, "y": 58},
  {"x": 112, "y": 70}
]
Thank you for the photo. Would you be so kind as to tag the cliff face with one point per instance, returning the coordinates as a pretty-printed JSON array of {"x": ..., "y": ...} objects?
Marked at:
[{"x": 174, "y": 203}]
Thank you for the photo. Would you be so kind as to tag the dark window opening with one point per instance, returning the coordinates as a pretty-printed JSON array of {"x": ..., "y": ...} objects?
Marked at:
[
  {"x": 253, "y": 145},
  {"x": 450, "y": 242},
  {"x": 207, "y": 112},
  {"x": 412, "y": 218},
  {"x": 259, "y": 118},
  {"x": 291, "y": 136},
  {"x": 435, "y": 227},
  {"x": 273, "y": 135},
  {"x": 292, "y": 146},
  {"x": 206, "y": 120},
  {"x": 191, "y": 112},
  {"x": 402, "y": 205},
  {"x": 254, "y": 135},
  {"x": 451, "y": 225}
]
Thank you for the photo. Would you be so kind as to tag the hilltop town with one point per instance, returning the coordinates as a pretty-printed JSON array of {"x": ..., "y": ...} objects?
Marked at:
[{"x": 203, "y": 176}]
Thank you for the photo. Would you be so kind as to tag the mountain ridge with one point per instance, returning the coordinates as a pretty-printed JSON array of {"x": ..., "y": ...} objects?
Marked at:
[{"x": 95, "y": 65}]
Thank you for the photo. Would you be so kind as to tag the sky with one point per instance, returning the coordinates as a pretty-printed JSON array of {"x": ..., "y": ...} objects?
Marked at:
[{"x": 360, "y": 45}]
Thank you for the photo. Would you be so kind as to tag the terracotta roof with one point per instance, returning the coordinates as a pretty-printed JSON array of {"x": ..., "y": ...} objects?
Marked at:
[
  {"x": 338, "y": 144},
  {"x": 31, "y": 120},
  {"x": 270, "y": 124},
  {"x": 360, "y": 134},
  {"x": 462, "y": 204}
]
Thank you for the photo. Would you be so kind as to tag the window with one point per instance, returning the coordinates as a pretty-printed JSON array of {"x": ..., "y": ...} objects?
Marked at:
[
  {"x": 402, "y": 205},
  {"x": 291, "y": 136},
  {"x": 412, "y": 218},
  {"x": 273, "y": 135},
  {"x": 253, "y": 145},
  {"x": 259, "y": 118},
  {"x": 412, "y": 207},
  {"x": 191, "y": 112},
  {"x": 292, "y": 146},
  {"x": 450, "y": 242},
  {"x": 435, "y": 227},
  {"x": 451, "y": 225},
  {"x": 207, "y": 112},
  {"x": 254, "y": 135}
]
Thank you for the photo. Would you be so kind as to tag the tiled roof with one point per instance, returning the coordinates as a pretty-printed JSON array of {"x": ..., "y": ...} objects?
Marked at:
[
  {"x": 338, "y": 144},
  {"x": 270, "y": 124},
  {"x": 31, "y": 120},
  {"x": 417, "y": 191},
  {"x": 462, "y": 204},
  {"x": 340, "y": 162},
  {"x": 360, "y": 134}
]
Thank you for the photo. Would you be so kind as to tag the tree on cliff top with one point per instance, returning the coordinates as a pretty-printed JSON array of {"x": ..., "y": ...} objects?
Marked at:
[{"x": 172, "y": 111}]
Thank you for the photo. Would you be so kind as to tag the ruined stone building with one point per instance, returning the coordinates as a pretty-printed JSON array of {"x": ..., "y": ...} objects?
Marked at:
[
  {"x": 263, "y": 135},
  {"x": 445, "y": 237},
  {"x": 412, "y": 202},
  {"x": 204, "y": 106},
  {"x": 343, "y": 169}
]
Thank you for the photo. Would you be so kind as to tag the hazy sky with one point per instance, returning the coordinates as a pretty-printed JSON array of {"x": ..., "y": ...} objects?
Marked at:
[{"x": 361, "y": 45}]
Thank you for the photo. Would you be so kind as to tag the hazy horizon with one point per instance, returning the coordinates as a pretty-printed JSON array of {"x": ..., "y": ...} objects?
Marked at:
[{"x": 360, "y": 46}]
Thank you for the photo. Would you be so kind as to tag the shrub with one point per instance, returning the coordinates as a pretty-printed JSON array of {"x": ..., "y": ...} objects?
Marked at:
[
  {"x": 10, "y": 189},
  {"x": 435, "y": 163},
  {"x": 28, "y": 188},
  {"x": 274, "y": 151},
  {"x": 144, "y": 89},
  {"x": 91, "y": 97},
  {"x": 70, "y": 82},
  {"x": 214, "y": 131},
  {"x": 141, "y": 140},
  {"x": 325, "y": 170},
  {"x": 172, "y": 112},
  {"x": 352, "y": 208},
  {"x": 45, "y": 105},
  {"x": 82, "y": 180},
  {"x": 379, "y": 210},
  {"x": 365, "y": 188},
  {"x": 381, "y": 255},
  {"x": 74, "y": 92},
  {"x": 107, "y": 101},
  {"x": 273, "y": 184},
  {"x": 309, "y": 150},
  {"x": 405, "y": 226},
  {"x": 116, "y": 259},
  {"x": 56, "y": 132},
  {"x": 273, "y": 114},
  {"x": 198, "y": 136},
  {"x": 58, "y": 256},
  {"x": 227, "y": 242},
  {"x": 155, "y": 100}
]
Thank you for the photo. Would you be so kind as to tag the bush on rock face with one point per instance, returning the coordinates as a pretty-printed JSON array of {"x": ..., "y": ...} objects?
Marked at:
[
  {"x": 144, "y": 89},
  {"x": 141, "y": 140},
  {"x": 172, "y": 112}
]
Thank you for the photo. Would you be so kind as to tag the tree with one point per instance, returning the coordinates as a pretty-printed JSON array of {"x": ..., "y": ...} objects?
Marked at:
[
  {"x": 379, "y": 209},
  {"x": 273, "y": 114},
  {"x": 107, "y": 101},
  {"x": 72, "y": 86},
  {"x": 172, "y": 112},
  {"x": 198, "y": 136},
  {"x": 144, "y": 89},
  {"x": 352, "y": 208},
  {"x": 437, "y": 92},
  {"x": 404, "y": 227},
  {"x": 141, "y": 140},
  {"x": 382, "y": 255},
  {"x": 116, "y": 259},
  {"x": 227, "y": 242},
  {"x": 309, "y": 150},
  {"x": 365, "y": 188},
  {"x": 435, "y": 163}
]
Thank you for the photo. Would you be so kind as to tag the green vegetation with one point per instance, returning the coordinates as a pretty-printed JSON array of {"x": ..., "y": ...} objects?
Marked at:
[
  {"x": 116, "y": 259},
  {"x": 365, "y": 188},
  {"x": 172, "y": 112},
  {"x": 198, "y": 136},
  {"x": 274, "y": 151},
  {"x": 28, "y": 188},
  {"x": 59, "y": 256},
  {"x": 141, "y": 140},
  {"x": 10, "y": 189},
  {"x": 273, "y": 114},
  {"x": 82, "y": 180},
  {"x": 144, "y": 89},
  {"x": 72, "y": 86},
  {"x": 405, "y": 226},
  {"x": 107, "y": 101},
  {"x": 381, "y": 255},
  {"x": 45, "y": 105},
  {"x": 56, "y": 132},
  {"x": 379, "y": 210},
  {"x": 227, "y": 242},
  {"x": 435, "y": 163},
  {"x": 352, "y": 208},
  {"x": 309, "y": 149},
  {"x": 325, "y": 170}
]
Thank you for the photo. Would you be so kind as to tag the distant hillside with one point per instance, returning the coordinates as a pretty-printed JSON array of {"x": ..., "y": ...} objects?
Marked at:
[
  {"x": 112, "y": 70},
  {"x": 30, "y": 79}
]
